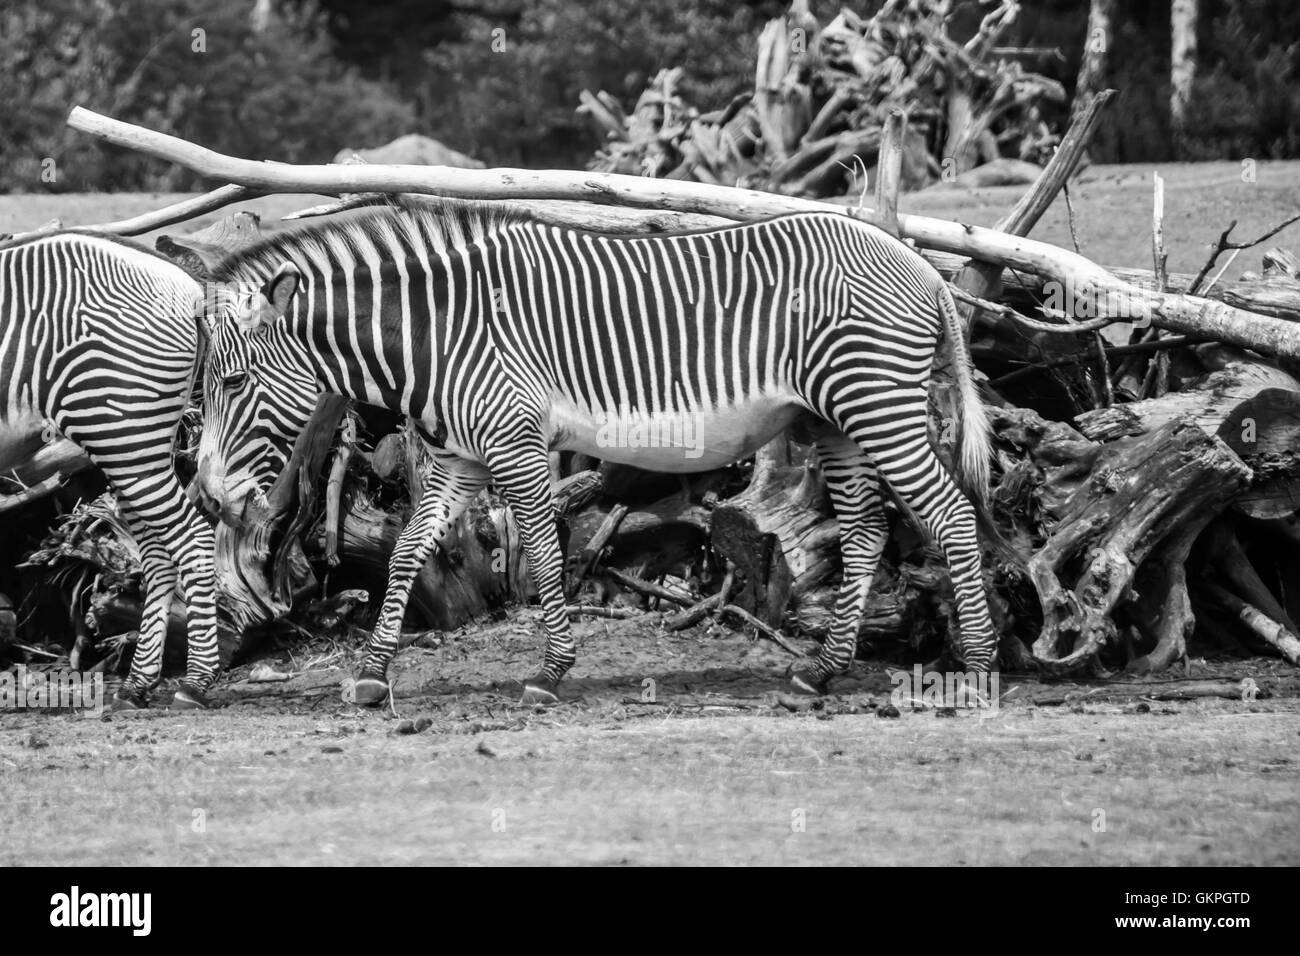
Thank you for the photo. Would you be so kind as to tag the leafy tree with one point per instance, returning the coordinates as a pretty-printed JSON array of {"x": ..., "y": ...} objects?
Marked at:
[
  {"x": 193, "y": 68},
  {"x": 507, "y": 90}
]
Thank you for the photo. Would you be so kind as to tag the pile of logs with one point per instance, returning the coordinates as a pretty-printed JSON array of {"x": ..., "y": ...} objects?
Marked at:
[
  {"x": 812, "y": 125},
  {"x": 1147, "y": 434}
]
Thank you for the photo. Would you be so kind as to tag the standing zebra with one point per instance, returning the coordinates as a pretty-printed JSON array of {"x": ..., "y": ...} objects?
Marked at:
[
  {"x": 100, "y": 337},
  {"x": 507, "y": 337}
]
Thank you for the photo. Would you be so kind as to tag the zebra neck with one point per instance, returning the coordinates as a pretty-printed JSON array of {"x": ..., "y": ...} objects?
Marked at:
[{"x": 375, "y": 341}]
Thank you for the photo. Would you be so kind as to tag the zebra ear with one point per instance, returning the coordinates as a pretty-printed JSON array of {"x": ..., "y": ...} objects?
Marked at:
[
  {"x": 279, "y": 291},
  {"x": 272, "y": 302}
]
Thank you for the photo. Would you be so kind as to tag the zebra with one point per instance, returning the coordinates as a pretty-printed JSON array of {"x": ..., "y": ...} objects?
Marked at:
[
  {"x": 99, "y": 341},
  {"x": 503, "y": 337}
]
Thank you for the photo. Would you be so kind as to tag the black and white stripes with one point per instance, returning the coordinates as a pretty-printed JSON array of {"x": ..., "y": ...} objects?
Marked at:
[
  {"x": 675, "y": 353},
  {"x": 101, "y": 338}
]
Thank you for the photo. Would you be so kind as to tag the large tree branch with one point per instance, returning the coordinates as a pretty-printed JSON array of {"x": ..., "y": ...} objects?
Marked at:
[{"x": 1086, "y": 288}]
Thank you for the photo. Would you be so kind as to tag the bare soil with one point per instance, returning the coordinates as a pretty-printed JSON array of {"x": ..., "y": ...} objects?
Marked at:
[{"x": 704, "y": 765}]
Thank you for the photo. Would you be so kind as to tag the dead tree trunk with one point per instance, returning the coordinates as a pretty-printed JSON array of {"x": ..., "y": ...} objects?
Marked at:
[
  {"x": 780, "y": 534},
  {"x": 1096, "y": 48},
  {"x": 1182, "y": 66},
  {"x": 1113, "y": 524}
]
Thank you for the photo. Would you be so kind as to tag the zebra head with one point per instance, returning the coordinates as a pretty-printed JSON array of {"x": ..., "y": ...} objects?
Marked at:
[{"x": 259, "y": 392}]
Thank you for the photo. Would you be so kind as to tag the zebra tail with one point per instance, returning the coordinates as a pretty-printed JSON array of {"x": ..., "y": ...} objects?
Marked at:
[{"x": 975, "y": 450}]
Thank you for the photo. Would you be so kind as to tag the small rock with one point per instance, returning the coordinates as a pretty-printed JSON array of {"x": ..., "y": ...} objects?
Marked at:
[
  {"x": 888, "y": 711},
  {"x": 264, "y": 673},
  {"x": 34, "y": 742},
  {"x": 485, "y": 750},
  {"x": 796, "y": 705},
  {"x": 946, "y": 712},
  {"x": 331, "y": 750}
]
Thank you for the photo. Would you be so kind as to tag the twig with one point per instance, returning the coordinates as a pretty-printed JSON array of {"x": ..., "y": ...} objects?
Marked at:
[
  {"x": 772, "y": 634},
  {"x": 647, "y": 587},
  {"x": 1173, "y": 342},
  {"x": 1107, "y": 390},
  {"x": 889, "y": 171},
  {"x": 334, "y": 489},
  {"x": 1007, "y": 312},
  {"x": 1157, "y": 378},
  {"x": 31, "y": 493},
  {"x": 591, "y": 553},
  {"x": 1223, "y": 244},
  {"x": 1259, "y": 623},
  {"x": 176, "y": 212},
  {"x": 1069, "y": 212},
  {"x": 614, "y": 613},
  {"x": 698, "y": 612}
]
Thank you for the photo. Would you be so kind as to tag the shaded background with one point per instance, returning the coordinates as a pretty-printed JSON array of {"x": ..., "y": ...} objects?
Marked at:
[{"x": 298, "y": 80}]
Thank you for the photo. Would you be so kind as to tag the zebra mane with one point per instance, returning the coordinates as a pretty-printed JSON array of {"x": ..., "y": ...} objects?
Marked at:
[
  {"x": 435, "y": 224},
  {"x": 17, "y": 242}
]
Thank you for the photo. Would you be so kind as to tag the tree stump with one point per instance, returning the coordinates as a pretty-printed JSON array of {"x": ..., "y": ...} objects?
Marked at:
[{"x": 1146, "y": 498}]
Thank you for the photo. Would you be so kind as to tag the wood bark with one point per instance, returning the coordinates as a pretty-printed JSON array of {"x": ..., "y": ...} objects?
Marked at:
[{"x": 1113, "y": 523}]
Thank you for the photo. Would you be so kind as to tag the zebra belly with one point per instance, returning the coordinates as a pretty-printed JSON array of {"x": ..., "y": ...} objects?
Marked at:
[
  {"x": 673, "y": 441},
  {"x": 20, "y": 437}
]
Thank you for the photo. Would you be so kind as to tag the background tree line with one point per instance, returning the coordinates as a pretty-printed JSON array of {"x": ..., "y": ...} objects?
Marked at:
[{"x": 296, "y": 80}]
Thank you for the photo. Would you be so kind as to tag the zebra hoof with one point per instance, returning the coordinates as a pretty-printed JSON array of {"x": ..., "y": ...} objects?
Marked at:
[
  {"x": 539, "y": 692},
  {"x": 125, "y": 699},
  {"x": 187, "y": 698},
  {"x": 368, "y": 691},
  {"x": 805, "y": 681}
]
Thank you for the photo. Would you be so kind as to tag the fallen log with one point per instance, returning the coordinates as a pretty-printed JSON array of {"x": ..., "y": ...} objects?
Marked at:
[
  {"x": 1115, "y": 522},
  {"x": 1087, "y": 290},
  {"x": 1252, "y": 406}
]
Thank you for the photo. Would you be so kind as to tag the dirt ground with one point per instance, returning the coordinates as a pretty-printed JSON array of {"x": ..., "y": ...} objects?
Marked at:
[{"x": 714, "y": 770}]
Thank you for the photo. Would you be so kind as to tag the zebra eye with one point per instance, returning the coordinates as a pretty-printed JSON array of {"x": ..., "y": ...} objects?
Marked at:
[{"x": 234, "y": 381}]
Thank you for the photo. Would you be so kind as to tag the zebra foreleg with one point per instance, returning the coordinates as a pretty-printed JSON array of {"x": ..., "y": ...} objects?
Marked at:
[
  {"x": 448, "y": 486},
  {"x": 523, "y": 472},
  {"x": 852, "y": 484}
]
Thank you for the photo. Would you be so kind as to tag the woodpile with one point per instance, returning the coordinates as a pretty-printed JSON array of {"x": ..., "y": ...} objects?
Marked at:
[{"x": 812, "y": 125}]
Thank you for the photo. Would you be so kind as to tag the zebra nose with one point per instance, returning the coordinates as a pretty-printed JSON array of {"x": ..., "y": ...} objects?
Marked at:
[{"x": 208, "y": 488}]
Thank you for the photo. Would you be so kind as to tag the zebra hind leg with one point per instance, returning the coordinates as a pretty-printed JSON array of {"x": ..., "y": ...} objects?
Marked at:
[
  {"x": 448, "y": 486},
  {"x": 523, "y": 472},
  {"x": 192, "y": 544},
  {"x": 852, "y": 484},
  {"x": 176, "y": 544},
  {"x": 159, "y": 582},
  {"x": 891, "y": 428}
]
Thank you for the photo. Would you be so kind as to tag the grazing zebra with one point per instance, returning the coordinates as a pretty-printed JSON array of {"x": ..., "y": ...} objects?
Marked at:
[
  {"x": 100, "y": 337},
  {"x": 505, "y": 337}
]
